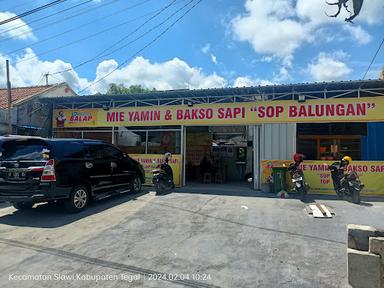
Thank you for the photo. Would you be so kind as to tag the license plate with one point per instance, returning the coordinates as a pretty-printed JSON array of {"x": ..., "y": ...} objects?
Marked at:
[
  {"x": 297, "y": 179},
  {"x": 16, "y": 175}
]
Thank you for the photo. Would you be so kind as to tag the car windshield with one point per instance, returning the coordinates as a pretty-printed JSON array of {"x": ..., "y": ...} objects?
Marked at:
[{"x": 16, "y": 150}]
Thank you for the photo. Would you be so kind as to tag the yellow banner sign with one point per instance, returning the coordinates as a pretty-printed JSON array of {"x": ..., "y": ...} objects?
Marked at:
[
  {"x": 319, "y": 177},
  {"x": 147, "y": 161},
  {"x": 369, "y": 109}
]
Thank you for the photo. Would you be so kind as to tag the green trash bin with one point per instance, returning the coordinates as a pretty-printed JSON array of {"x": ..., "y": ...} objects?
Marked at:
[{"x": 279, "y": 179}]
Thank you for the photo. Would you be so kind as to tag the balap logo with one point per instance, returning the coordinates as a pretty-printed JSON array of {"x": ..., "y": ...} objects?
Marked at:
[{"x": 79, "y": 117}]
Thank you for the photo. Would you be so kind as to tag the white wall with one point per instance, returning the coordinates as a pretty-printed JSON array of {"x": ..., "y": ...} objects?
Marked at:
[
  {"x": 127, "y": 137},
  {"x": 62, "y": 90}
]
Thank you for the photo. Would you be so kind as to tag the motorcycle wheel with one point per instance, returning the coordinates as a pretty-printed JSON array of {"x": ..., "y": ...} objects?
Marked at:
[
  {"x": 356, "y": 196},
  {"x": 159, "y": 188},
  {"x": 339, "y": 192},
  {"x": 302, "y": 192}
]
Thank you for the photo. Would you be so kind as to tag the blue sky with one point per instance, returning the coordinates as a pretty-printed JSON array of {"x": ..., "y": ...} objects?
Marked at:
[{"x": 219, "y": 43}]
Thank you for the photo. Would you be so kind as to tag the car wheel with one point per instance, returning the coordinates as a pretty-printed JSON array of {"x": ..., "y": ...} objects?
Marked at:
[
  {"x": 78, "y": 199},
  {"x": 23, "y": 205},
  {"x": 136, "y": 184}
]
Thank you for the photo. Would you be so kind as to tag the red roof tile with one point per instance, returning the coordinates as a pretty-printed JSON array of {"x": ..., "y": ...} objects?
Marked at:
[{"x": 21, "y": 93}]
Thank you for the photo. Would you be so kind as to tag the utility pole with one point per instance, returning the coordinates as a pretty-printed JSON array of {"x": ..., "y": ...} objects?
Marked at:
[{"x": 9, "y": 99}]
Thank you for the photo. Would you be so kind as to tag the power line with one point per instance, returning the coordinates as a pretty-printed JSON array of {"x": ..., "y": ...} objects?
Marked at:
[
  {"x": 45, "y": 17},
  {"x": 142, "y": 49},
  {"x": 96, "y": 34},
  {"x": 77, "y": 41},
  {"x": 18, "y": 6},
  {"x": 84, "y": 25},
  {"x": 373, "y": 59},
  {"x": 31, "y": 11},
  {"x": 49, "y": 24},
  {"x": 102, "y": 53},
  {"x": 41, "y": 78}
]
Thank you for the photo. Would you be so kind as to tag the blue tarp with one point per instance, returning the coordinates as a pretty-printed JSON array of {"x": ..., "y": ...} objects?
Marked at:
[{"x": 373, "y": 143}]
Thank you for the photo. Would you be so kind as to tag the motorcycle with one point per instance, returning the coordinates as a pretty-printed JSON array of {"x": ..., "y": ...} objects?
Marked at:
[
  {"x": 162, "y": 176},
  {"x": 346, "y": 184},
  {"x": 297, "y": 176}
]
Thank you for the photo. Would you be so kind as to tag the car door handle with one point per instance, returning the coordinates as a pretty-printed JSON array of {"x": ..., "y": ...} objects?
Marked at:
[
  {"x": 88, "y": 165},
  {"x": 113, "y": 165}
]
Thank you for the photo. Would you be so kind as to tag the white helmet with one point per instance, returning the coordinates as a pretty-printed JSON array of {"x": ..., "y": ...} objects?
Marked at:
[{"x": 167, "y": 156}]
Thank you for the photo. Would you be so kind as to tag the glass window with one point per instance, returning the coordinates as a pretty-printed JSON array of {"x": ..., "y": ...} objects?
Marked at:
[
  {"x": 131, "y": 142},
  {"x": 95, "y": 135},
  {"x": 70, "y": 150},
  {"x": 160, "y": 142},
  {"x": 104, "y": 152},
  {"x": 307, "y": 147},
  {"x": 328, "y": 149},
  {"x": 112, "y": 152},
  {"x": 68, "y": 134},
  {"x": 24, "y": 150},
  {"x": 351, "y": 147}
]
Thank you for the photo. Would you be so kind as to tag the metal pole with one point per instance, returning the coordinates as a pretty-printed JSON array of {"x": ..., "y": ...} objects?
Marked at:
[
  {"x": 113, "y": 135},
  {"x": 9, "y": 99},
  {"x": 256, "y": 158},
  {"x": 254, "y": 164},
  {"x": 183, "y": 156}
]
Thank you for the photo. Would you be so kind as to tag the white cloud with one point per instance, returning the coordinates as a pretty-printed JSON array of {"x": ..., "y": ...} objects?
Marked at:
[
  {"x": 268, "y": 26},
  {"x": 358, "y": 34},
  {"x": 206, "y": 48},
  {"x": 279, "y": 27},
  {"x": 329, "y": 67},
  {"x": 172, "y": 74},
  {"x": 372, "y": 12},
  {"x": 23, "y": 32},
  {"x": 245, "y": 81},
  {"x": 214, "y": 58},
  {"x": 29, "y": 73},
  {"x": 282, "y": 76},
  {"x": 267, "y": 59}
]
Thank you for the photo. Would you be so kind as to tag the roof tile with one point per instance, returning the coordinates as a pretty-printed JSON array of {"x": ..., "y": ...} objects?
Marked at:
[{"x": 20, "y": 93}]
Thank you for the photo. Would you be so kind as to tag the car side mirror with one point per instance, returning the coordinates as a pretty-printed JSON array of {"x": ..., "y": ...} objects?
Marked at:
[{"x": 125, "y": 155}]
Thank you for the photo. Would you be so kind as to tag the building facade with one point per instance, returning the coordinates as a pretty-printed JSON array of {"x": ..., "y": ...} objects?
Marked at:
[
  {"x": 235, "y": 134},
  {"x": 28, "y": 115}
]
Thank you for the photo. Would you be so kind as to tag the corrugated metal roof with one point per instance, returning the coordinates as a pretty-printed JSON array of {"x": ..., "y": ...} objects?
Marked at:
[{"x": 304, "y": 88}]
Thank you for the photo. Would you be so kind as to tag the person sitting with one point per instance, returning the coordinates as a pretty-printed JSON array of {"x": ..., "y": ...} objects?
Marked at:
[{"x": 205, "y": 166}]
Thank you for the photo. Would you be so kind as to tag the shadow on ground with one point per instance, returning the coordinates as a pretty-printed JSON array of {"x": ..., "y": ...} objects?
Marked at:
[
  {"x": 54, "y": 215},
  {"x": 245, "y": 190}
]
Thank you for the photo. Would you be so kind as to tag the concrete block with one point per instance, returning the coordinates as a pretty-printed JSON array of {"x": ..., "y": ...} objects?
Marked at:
[
  {"x": 358, "y": 236},
  {"x": 364, "y": 269},
  {"x": 376, "y": 246}
]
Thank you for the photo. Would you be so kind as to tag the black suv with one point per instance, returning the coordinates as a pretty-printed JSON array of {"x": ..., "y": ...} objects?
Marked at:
[{"x": 34, "y": 170}]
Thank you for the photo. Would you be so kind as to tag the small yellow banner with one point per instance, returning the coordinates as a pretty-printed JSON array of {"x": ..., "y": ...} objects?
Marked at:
[
  {"x": 147, "y": 161},
  {"x": 367, "y": 109},
  {"x": 319, "y": 177}
]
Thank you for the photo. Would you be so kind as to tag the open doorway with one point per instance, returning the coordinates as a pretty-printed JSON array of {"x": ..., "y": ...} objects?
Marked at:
[{"x": 218, "y": 154}]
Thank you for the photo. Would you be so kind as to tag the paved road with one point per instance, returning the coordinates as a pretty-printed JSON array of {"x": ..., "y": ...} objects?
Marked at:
[{"x": 225, "y": 237}]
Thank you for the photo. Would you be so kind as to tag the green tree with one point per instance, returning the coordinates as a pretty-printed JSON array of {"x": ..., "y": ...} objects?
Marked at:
[{"x": 119, "y": 89}]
